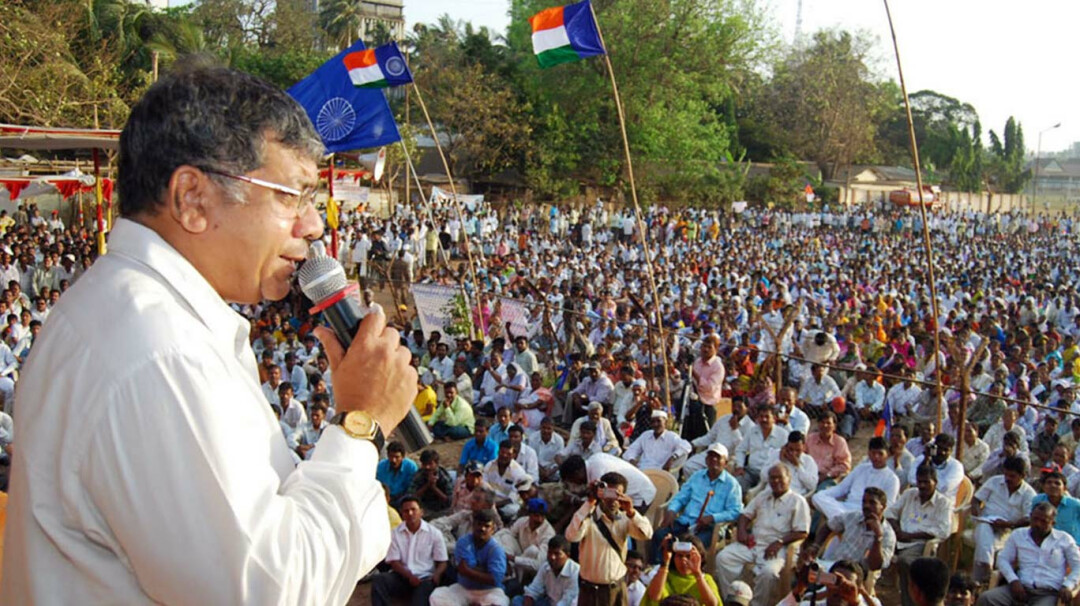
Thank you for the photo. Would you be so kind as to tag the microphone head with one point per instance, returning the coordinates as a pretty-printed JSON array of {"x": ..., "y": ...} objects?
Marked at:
[{"x": 320, "y": 277}]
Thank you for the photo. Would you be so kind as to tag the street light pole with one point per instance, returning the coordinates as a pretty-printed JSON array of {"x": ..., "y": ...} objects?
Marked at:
[{"x": 1038, "y": 153}]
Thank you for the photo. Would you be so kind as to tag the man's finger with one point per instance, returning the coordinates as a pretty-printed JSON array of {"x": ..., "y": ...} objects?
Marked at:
[
  {"x": 333, "y": 349},
  {"x": 372, "y": 325}
]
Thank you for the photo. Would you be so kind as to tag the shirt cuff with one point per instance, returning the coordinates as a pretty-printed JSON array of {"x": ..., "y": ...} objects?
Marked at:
[{"x": 337, "y": 447}]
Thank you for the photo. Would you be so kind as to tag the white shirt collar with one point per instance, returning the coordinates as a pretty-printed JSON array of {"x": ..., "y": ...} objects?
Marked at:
[{"x": 143, "y": 246}]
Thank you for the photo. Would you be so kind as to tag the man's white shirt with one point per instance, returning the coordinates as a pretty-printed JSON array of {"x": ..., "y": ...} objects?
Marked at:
[{"x": 146, "y": 439}]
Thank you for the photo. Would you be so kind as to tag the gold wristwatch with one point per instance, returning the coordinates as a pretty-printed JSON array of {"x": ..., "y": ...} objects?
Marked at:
[{"x": 359, "y": 424}]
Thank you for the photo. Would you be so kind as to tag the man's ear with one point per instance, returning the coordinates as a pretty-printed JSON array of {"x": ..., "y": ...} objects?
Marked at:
[{"x": 188, "y": 199}]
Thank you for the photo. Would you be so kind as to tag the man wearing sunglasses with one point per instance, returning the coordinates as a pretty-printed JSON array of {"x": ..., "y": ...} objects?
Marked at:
[{"x": 153, "y": 470}]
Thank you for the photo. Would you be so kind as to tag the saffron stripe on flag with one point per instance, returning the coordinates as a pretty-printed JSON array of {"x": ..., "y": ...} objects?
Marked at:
[
  {"x": 547, "y": 19},
  {"x": 360, "y": 59}
]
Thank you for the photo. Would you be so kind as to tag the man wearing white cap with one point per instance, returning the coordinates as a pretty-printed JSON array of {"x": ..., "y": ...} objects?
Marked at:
[
  {"x": 727, "y": 430},
  {"x": 658, "y": 449},
  {"x": 708, "y": 497},
  {"x": 779, "y": 518},
  {"x": 739, "y": 594}
]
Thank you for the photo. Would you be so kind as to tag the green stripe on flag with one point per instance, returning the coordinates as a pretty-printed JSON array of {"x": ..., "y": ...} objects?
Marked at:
[
  {"x": 555, "y": 56},
  {"x": 375, "y": 84}
]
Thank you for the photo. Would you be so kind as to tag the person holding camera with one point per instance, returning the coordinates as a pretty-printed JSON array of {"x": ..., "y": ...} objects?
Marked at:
[
  {"x": 687, "y": 578},
  {"x": 839, "y": 586},
  {"x": 602, "y": 524}
]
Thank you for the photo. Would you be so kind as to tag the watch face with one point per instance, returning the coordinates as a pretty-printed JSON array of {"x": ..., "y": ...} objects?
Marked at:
[{"x": 359, "y": 423}]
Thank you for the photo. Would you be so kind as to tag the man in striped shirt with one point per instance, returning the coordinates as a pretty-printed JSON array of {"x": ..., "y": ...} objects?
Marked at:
[{"x": 602, "y": 524}]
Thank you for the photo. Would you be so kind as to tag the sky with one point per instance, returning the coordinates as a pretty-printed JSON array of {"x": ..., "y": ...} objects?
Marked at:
[{"x": 1002, "y": 57}]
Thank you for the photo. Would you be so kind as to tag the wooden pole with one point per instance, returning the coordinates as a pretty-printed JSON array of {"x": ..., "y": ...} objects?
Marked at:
[
  {"x": 457, "y": 207},
  {"x": 408, "y": 163},
  {"x": 637, "y": 211},
  {"x": 922, "y": 210},
  {"x": 423, "y": 200}
]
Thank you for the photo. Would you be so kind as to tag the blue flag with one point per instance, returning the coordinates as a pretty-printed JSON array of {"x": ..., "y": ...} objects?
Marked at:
[{"x": 346, "y": 117}]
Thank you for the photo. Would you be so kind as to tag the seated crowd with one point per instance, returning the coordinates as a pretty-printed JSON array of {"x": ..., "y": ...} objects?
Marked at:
[
  {"x": 760, "y": 507},
  {"x": 594, "y": 467}
]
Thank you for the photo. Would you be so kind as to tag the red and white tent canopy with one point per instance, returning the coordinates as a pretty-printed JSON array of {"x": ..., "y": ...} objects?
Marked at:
[{"x": 66, "y": 185}]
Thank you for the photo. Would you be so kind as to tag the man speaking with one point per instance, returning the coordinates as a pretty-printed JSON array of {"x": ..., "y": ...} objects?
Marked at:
[{"x": 150, "y": 467}]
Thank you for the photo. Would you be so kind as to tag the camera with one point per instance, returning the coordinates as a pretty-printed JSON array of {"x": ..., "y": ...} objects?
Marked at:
[
  {"x": 820, "y": 577},
  {"x": 682, "y": 547}
]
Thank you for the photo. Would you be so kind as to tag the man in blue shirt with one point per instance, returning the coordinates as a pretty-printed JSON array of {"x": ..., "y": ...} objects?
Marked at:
[
  {"x": 481, "y": 566},
  {"x": 481, "y": 449},
  {"x": 501, "y": 429},
  {"x": 685, "y": 511},
  {"x": 396, "y": 471},
  {"x": 1068, "y": 508}
]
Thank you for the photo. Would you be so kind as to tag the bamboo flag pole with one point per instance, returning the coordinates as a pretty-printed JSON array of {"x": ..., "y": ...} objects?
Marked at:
[
  {"x": 423, "y": 198},
  {"x": 457, "y": 207},
  {"x": 925, "y": 225},
  {"x": 637, "y": 212}
]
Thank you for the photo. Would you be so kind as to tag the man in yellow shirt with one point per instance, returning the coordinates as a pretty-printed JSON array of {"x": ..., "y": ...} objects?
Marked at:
[{"x": 425, "y": 401}]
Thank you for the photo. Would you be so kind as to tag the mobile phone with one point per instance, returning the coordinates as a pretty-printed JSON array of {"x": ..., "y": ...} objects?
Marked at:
[
  {"x": 819, "y": 577},
  {"x": 610, "y": 493},
  {"x": 682, "y": 547}
]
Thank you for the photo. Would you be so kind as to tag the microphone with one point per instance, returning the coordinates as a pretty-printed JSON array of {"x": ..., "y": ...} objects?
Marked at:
[{"x": 322, "y": 279}]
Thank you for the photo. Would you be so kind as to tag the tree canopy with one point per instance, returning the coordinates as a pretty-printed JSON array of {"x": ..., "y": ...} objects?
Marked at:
[{"x": 705, "y": 86}]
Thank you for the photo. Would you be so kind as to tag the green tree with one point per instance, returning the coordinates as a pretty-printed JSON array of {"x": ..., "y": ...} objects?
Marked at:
[
  {"x": 484, "y": 126},
  {"x": 782, "y": 186},
  {"x": 1007, "y": 159},
  {"x": 676, "y": 62},
  {"x": 825, "y": 99},
  {"x": 939, "y": 121},
  {"x": 43, "y": 82},
  {"x": 341, "y": 19},
  {"x": 967, "y": 171}
]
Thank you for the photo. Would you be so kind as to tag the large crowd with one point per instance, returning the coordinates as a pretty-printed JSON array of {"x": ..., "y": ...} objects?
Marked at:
[{"x": 608, "y": 460}]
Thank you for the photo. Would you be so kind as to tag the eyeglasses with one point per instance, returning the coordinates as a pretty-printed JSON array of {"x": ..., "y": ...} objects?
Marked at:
[{"x": 303, "y": 198}]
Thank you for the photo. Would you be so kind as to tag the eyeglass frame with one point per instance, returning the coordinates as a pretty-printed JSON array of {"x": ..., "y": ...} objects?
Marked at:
[{"x": 277, "y": 187}]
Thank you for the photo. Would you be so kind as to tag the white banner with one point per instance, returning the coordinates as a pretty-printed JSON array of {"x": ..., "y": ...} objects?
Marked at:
[
  {"x": 432, "y": 301},
  {"x": 738, "y": 207},
  {"x": 470, "y": 201},
  {"x": 349, "y": 194}
]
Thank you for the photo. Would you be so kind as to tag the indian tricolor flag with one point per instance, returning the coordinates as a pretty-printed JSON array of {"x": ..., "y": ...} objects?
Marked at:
[
  {"x": 377, "y": 67},
  {"x": 565, "y": 33}
]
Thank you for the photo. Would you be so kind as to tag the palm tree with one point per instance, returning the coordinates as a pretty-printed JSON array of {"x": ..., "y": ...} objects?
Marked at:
[{"x": 341, "y": 20}]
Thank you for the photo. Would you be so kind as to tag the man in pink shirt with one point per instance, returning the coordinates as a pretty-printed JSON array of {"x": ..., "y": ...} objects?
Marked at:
[
  {"x": 829, "y": 450},
  {"x": 708, "y": 379}
]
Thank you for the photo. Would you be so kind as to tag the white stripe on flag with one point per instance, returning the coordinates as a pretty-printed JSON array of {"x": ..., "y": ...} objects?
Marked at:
[
  {"x": 547, "y": 39},
  {"x": 366, "y": 75}
]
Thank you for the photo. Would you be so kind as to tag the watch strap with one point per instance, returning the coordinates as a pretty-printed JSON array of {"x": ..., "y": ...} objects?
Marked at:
[{"x": 378, "y": 439}]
